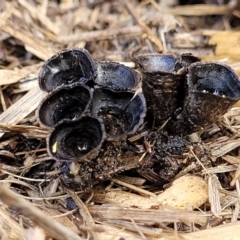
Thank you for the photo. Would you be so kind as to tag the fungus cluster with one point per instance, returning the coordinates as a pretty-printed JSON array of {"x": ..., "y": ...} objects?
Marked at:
[
  {"x": 185, "y": 94},
  {"x": 90, "y": 102},
  {"x": 87, "y": 103}
]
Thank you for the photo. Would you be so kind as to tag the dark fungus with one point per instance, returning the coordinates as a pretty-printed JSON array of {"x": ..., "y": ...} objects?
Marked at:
[
  {"x": 122, "y": 112},
  {"x": 158, "y": 63},
  {"x": 188, "y": 94},
  {"x": 66, "y": 67},
  {"x": 162, "y": 79},
  {"x": 187, "y": 59},
  {"x": 116, "y": 77},
  {"x": 212, "y": 89},
  {"x": 66, "y": 102},
  {"x": 78, "y": 140},
  {"x": 79, "y": 111}
]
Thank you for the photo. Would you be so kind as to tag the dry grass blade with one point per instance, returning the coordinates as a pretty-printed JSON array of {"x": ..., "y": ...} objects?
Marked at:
[
  {"x": 37, "y": 216},
  {"x": 220, "y": 169},
  {"x": 125, "y": 199},
  {"x": 29, "y": 131},
  {"x": 43, "y": 19},
  {"x": 236, "y": 176},
  {"x": 101, "y": 34},
  {"x": 231, "y": 159},
  {"x": 9, "y": 228},
  {"x": 227, "y": 45},
  {"x": 149, "y": 231},
  {"x": 132, "y": 187},
  {"x": 82, "y": 209},
  {"x": 225, "y": 147},
  {"x": 36, "y": 47},
  {"x": 144, "y": 27},
  {"x": 22, "y": 108},
  {"x": 200, "y": 10},
  {"x": 146, "y": 215},
  {"x": 136, "y": 181},
  {"x": 213, "y": 193},
  {"x": 130, "y": 207},
  {"x": 13, "y": 76}
]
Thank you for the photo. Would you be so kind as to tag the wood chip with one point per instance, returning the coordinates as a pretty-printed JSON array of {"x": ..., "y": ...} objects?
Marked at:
[
  {"x": 186, "y": 191},
  {"x": 124, "y": 199},
  {"x": 104, "y": 212}
]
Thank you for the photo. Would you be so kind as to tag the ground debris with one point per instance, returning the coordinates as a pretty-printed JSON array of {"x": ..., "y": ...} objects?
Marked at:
[{"x": 31, "y": 32}]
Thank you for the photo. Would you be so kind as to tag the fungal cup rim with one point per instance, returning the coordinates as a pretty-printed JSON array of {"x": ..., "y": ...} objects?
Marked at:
[
  {"x": 192, "y": 88},
  {"x": 84, "y": 158},
  {"x": 56, "y": 55}
]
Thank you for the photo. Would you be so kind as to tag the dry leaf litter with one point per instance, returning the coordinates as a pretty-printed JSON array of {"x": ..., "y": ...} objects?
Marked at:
[{"x": 202, "y": 201}]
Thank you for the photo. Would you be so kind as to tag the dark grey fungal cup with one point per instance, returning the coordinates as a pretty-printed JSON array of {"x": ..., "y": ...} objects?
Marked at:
[
  {"x": 187, "y": 59},
  {"x": 66, "y": 102},
  {"x": 78, "y": 140},
  {"x": 117, "y": 77},
  {"x": 66, "y": 67},
  {"x": 212, "y": 89},
  {"x": 122, "y": 112},
  {"x": 159, "y": 63},
  {"x": 162, "y": 78}
]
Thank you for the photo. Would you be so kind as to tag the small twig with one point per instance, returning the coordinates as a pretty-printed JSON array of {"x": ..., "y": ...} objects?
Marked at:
[
  {"x": 25, "y": 178},
  {"x": 198, "y": 160},
  {"x": 97, "y": 35},
  {"x": 138, "y": 229},
  {"x": 84, "y": 212},
  {"x": 31, "y": 131},
  {"x": 19, "y": 204},
  {"x": 94, "y": 3},
  {"x": 64, "y": 214},
  {"x": 236, "y": 176},
  {"x": 151, "y": 36},
  {"x": 3, "y": 102},
  {"x": 83, "y": 209},
  {"x": 130, "y": 186}
]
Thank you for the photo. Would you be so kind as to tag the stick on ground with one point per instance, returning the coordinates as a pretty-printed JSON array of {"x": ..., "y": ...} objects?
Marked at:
[{"x": 50, "y": 225}]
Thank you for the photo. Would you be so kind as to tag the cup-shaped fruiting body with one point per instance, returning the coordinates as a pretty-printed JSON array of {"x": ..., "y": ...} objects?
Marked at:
[
  {"x": 122, "y": 112},
  {"x": 116, "y": 77},
  {"x": 212, "y": 89},
  {"x": 162, "y": 77},
  {"x": 78, "y": 140},
  {"x": 187, "y": 59},
  {"x": 66, "y": 67},
  {"x": 66, "y": 102}
]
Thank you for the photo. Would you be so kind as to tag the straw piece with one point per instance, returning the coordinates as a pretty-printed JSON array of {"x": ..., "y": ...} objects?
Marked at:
[
  {"x": 19, "y": 110},
  {"x": 124, "y": 199},
  {"x": 145, "y": 215},
  {"x": 16, "y": 202}
]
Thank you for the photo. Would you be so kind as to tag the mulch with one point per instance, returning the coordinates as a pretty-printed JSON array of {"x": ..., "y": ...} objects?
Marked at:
[{"x": 201, "y": 201}]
